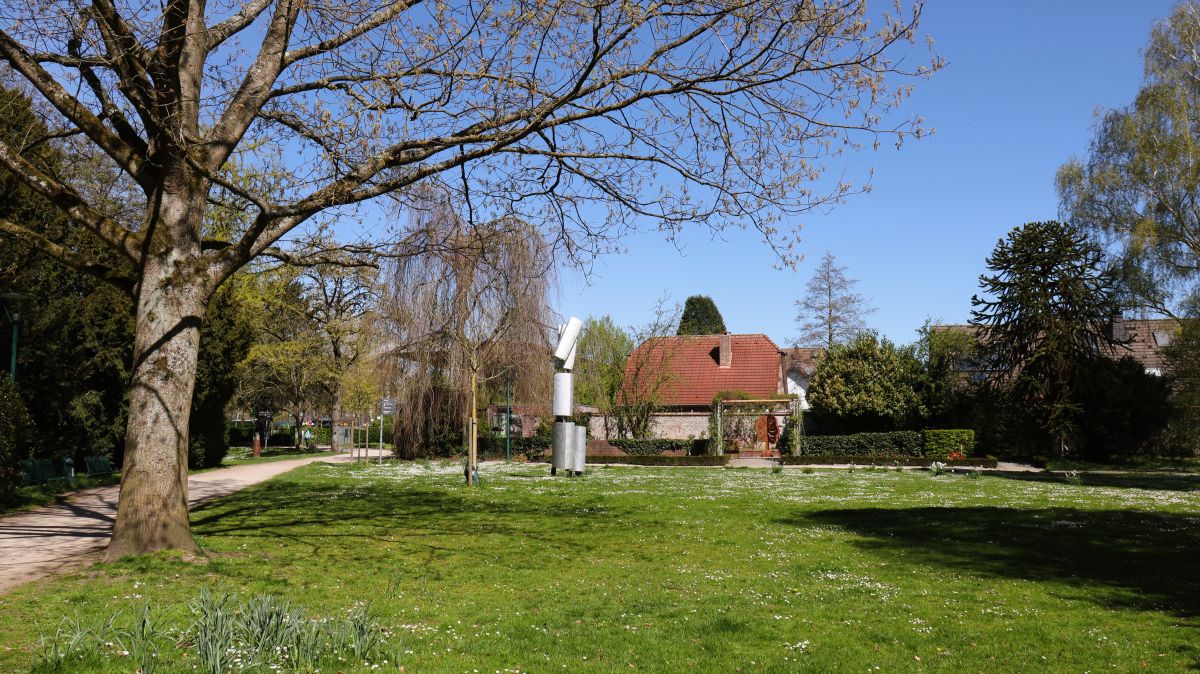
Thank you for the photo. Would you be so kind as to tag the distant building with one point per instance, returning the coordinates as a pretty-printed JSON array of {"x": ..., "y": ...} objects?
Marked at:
[{"x": 1142, "y": 339}]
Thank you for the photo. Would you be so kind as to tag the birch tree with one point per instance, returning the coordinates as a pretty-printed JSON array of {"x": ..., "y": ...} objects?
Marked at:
[{"x": 595, "y": 118}]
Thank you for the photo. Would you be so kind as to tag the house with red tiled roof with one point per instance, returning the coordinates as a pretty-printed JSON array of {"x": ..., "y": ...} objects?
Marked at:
[{"x": 683, "y": 373}]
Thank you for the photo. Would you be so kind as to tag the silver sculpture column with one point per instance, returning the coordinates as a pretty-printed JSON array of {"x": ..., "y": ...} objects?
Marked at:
[{"x": 566, "y": 444}]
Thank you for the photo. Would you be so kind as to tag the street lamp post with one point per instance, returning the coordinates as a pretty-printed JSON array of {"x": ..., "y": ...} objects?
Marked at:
[{"x": 14, "y": 317}]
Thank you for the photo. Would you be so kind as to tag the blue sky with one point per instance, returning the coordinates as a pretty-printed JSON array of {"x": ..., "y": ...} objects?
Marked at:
[{"x": 1017, "y": 99}]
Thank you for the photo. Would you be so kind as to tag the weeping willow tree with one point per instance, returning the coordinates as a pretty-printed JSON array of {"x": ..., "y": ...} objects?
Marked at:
[{"x": 470, "y": 313}]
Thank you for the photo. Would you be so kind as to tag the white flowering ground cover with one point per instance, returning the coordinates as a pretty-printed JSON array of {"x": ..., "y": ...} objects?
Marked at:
[{"x": 676, "y": 570}]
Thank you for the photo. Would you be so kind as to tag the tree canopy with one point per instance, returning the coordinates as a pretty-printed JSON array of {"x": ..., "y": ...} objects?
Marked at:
[
  {"x": 868, "y": 384},
  {"x": 700, "y": 317},
  {"x": 830, "y": 311},
  {"x": 1140, "y": 184},
  {"x": 1045, "y": 315}
]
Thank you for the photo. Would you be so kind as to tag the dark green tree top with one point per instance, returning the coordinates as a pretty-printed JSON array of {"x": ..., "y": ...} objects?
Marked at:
[
  {"x": 1045, "y": 317},
  {"x": 700, "y": 317}
]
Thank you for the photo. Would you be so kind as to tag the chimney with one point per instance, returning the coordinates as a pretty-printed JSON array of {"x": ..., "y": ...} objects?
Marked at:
[
  {"x": 726, "y": 356},
  {"x": 1117, "y": 327}
]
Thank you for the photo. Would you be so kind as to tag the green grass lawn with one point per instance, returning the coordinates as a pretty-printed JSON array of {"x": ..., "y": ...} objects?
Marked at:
[{"x": 675, "y": 570}]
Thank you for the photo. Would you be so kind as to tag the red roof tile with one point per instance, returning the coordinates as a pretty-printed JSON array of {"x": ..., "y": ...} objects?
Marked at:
[{"x": 694, "y": 376}]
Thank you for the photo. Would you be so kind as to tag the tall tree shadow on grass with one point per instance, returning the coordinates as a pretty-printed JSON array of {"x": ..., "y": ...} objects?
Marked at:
[
  {"x": 1125, "y": 559},
  {"x": 1122, "y": 480}
]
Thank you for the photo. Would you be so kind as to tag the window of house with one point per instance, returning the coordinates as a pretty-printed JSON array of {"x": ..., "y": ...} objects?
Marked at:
[{"x": 1162, "y": 338}]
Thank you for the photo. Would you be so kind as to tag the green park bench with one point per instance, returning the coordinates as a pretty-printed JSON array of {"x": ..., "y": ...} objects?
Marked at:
[
  {"x": 98, "y": 465},
  {"x": 39, "y": 471}
]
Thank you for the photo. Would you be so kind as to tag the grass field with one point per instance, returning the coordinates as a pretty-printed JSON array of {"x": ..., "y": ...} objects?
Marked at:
[{"x": 666, "y": 570}]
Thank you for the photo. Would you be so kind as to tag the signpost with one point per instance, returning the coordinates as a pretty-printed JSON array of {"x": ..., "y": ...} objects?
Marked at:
[{"x": 387, "y": 407}]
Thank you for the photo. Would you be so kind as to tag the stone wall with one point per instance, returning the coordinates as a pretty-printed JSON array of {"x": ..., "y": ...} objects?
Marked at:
[{"x": 669, "y": 425}]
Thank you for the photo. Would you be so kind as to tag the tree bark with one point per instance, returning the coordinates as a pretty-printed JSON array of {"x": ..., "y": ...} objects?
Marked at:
[
  {"x": 335, "y": 413},
  {"x": 152, "y": 513}
]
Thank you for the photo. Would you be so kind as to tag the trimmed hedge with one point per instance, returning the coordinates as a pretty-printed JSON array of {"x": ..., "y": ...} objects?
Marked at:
[
  {"x": 864, "y": 445},
  {"x": 939, "y": 444},
  {"x": 534, "y": 447},
  {"x": 989, "y": 462},
  {"x": 662, "y": 460},
  {"x": 656, "y": 446}
]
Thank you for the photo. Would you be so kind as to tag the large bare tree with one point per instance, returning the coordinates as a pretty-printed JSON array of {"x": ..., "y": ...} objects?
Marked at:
[{"x": 590, "y": 115}]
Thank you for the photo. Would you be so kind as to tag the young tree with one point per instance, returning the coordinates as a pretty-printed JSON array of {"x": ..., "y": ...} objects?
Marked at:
[
  {"x": 949, "y": 363},
  {"x": 1050, "y": 307},
  {"x": 648, "y": 373},
  {"x": 280, "y": 110},
  {"x": 831, "y": 312},
  {"x": 474, "y": 313},
  {"x": 869, "y": 384},
  {"x": 603, "y": 351},
  {"x": 1140, "y": 185},
  {"x": 338, "y": 297},
  {"x": 700, "y": 317}
]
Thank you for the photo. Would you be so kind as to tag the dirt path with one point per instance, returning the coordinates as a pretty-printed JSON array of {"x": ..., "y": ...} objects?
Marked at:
[{"x": 44, "y": 541}]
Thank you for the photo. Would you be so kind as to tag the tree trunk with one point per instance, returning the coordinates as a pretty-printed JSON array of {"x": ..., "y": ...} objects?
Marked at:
[
  {"x": 334, "y": 414},
  {"x": 473, "y": 447},
  {"x": 152, "y": 513}
]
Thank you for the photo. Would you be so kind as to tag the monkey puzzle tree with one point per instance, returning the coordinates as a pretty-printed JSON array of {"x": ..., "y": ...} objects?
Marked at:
[
  {"x": 1045, "y": 319},
  {"x": 280, "y": 110}
]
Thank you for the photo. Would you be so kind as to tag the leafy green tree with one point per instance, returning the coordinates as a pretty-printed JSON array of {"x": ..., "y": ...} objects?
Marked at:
[
  {"x": 1183, "y": 368},
  {"x": 1044, "y": 319},
  {"x": 16, "y": 434},
  {"x": 603, "y": 351},
  {"x": 1140, "y": 184},
  {"x": 869, "y": 384},
  {"x": 949, "y": 360},
  {"x": 226, "y": 336},
  {"x": 700, "y": 317}
]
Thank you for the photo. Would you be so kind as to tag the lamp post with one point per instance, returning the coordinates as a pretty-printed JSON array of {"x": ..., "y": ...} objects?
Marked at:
[{"x": 14, "y": 317}]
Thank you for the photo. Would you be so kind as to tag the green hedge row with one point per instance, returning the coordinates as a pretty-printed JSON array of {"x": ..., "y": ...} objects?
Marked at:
[
  {"x": 989, "y": 462},
  {"x": 874, "y": 445},
  {"x": 657, "y": 446},
  {"x": 940, "y": 444},
  {"x": 930, "y": 444},
  {"x": 661, "y": 460},
  {"x": 534, "y": 447}
]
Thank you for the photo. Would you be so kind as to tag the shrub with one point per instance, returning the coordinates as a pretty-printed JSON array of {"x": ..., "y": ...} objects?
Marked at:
[
  {"x": 864, "y": 445},
  {"x": 534, "y": 448},
  {"x": 820, "y": 460},
  {"x": 650, "y": 446},
  {"x": 949, "y": 443},
  {"x": 16, "y": 431},
  {"x": 662, "y": 460}
]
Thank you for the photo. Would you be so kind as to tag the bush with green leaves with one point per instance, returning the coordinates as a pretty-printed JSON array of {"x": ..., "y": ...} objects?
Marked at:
[
  {"x": 868, "y": 445},
  {"x": 16, "y": 431},
  {"x": 651, "y": 446},
  {"x": 662, "y": 460},
  {"x": 942, "y": 443},
  {"x": 869, "y": 384}
]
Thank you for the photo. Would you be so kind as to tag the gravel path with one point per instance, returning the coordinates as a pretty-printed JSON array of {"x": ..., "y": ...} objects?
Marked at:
[{"x": 47, "y": 540}]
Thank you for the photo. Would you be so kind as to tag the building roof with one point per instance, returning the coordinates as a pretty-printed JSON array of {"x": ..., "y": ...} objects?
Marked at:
[
  {"x": 1146, "y": 339},
  {"x": 690, "y": 370},
  {"x": 803, "y": 359}
]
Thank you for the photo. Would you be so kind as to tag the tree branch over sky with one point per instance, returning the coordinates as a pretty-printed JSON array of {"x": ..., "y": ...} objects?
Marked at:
[{"x": 588, "y": 118}]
